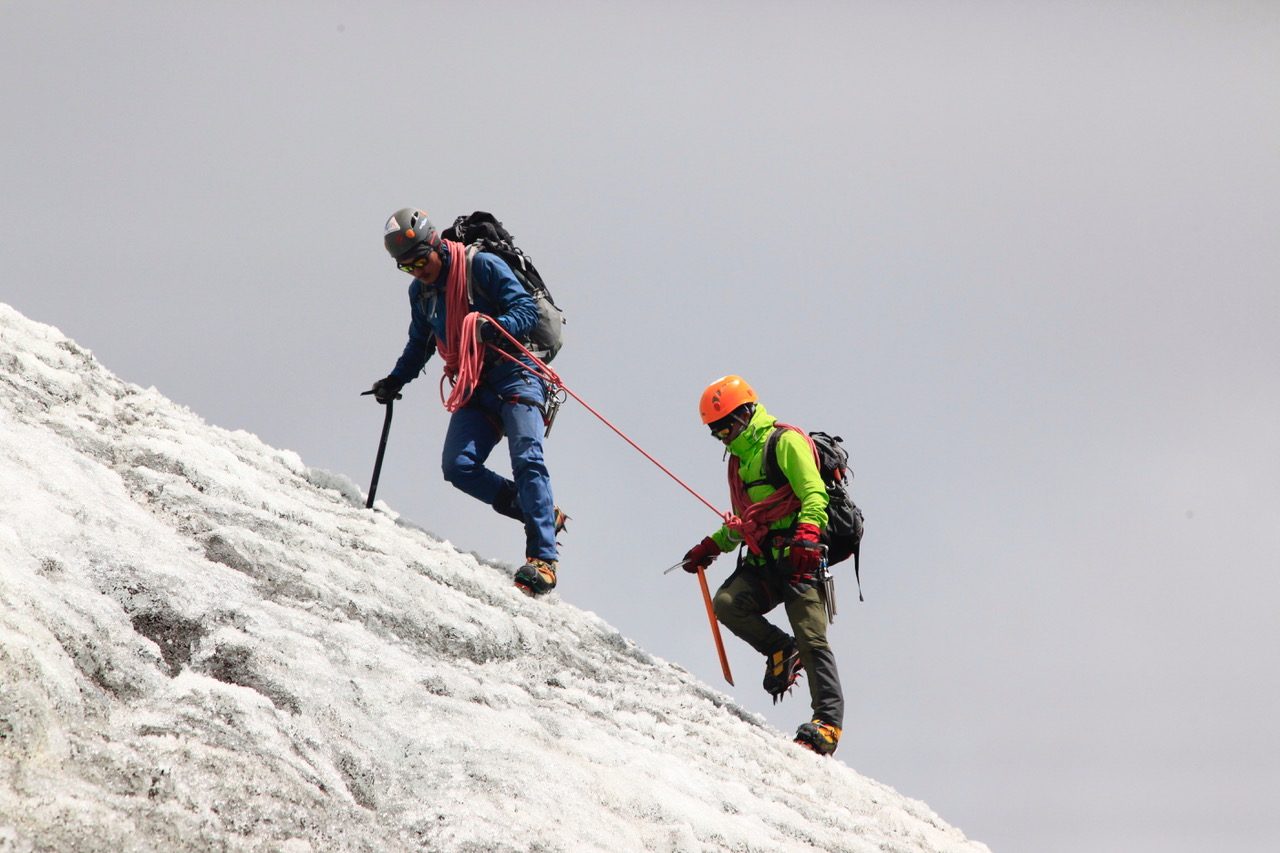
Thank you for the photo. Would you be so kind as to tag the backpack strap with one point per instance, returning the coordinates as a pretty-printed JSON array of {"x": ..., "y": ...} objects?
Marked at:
[
  {"x": 770, "y": 473},
  {"x": 857, "y": 575},
  {"x": 472, "y": 251}
]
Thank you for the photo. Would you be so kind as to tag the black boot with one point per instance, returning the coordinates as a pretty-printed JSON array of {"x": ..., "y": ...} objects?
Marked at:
[
  {"x": 781, "y": 669},
  {"x": 506, "y": 503},
  {"x": 818, "y": 736}
]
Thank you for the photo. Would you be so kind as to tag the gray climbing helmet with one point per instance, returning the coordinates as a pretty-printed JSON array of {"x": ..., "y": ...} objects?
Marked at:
[{"x": 409, "y": 233}]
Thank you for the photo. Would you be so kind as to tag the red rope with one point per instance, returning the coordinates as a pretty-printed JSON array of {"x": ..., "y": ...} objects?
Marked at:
[
  {"x": 462, "y": 354},
  {"x": 545, "y": 373},
  {"x": 470, "y": 364},
  {"x": 464, "y": 363},
  {"x": 754, "y": 519},
  {"x": 456, "y": 306}
]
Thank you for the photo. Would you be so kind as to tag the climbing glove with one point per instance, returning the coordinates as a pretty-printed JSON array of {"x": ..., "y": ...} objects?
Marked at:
[
  {"x": 701, "y": 555},
  {"x": 387, "y": 389},
  {"x": 806, "y": 553},
  {"x": 488, "y": 330}
]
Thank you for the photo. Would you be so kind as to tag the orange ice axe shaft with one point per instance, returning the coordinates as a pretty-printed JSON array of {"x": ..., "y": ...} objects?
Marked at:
[{"x": 715, "y": 628}]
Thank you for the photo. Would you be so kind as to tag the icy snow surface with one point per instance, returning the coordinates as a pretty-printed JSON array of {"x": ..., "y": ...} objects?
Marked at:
[{"x": 206, "y": 645}]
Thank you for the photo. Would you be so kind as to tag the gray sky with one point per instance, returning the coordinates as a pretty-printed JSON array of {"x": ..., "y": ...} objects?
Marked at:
[{"x": 1022, "y": 256}]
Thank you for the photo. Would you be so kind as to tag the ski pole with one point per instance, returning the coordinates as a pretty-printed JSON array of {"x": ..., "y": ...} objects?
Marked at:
[
  {"x": 382, "y": 449},
  {"x": 715, "y": 627}
]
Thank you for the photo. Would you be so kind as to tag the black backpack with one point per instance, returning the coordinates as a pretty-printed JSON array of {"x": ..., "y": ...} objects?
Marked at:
[
  {"x": 843, "y": 536},
  {"x": 483, "y": 232}
]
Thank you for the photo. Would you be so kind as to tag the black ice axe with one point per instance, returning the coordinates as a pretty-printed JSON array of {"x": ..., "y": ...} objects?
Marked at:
[{"x": 382, "y": 450}]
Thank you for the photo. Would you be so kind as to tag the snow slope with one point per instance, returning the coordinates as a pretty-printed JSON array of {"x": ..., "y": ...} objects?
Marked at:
[{"x": 206, "y": 645}]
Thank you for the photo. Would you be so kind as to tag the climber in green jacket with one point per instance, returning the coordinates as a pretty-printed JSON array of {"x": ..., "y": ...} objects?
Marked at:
[{"x": 782, "y": 559}]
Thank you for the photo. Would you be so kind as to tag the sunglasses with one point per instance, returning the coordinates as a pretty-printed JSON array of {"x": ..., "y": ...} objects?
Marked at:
[{"x": 414, "y": 265}]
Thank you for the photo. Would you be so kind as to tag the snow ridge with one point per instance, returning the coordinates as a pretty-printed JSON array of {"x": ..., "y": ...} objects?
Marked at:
[{"x": 207, "y": 645}]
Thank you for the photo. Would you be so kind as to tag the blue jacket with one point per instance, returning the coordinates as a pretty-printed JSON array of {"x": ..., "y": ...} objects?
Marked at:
[{"x": 498, "y": 294}]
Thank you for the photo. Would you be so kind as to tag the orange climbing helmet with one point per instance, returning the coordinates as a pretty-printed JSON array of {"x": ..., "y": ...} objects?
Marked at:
[{"x": 723, "y": 396}]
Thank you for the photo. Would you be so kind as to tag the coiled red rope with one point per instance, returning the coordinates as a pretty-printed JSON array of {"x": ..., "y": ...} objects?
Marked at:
[
  {"x": 460, "y": 349},
  {"x": 753, "y": 519}
]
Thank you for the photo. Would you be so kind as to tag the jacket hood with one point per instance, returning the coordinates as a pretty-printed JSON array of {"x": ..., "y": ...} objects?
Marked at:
[{"x": 754, "y": 436}]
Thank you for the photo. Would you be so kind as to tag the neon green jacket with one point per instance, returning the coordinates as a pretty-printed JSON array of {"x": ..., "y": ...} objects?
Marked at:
[{"x": 795, "y": 459}]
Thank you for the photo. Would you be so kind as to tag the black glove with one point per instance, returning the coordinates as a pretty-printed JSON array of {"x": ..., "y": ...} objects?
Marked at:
[
  {"x": 488, "y": 331},
  {"x": 388, "y": 389}
]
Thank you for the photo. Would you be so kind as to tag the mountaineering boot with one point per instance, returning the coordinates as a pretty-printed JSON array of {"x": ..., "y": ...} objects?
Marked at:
[
  {"x": 781, "y": 669},
  {"x": 818, "y": 736},
  {"x": 537, "y": 577}
]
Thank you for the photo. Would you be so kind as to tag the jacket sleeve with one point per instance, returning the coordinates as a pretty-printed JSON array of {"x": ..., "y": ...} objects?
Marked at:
[
  {"x": 422, "y": 340},
  {"x": 795, "y": 459},
  {"x": 726, "y": 539},
  {"x": 509, "y": 303}
]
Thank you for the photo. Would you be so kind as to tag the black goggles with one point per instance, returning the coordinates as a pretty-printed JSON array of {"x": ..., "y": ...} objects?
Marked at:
[
  {"x": 413, "y": 265},
  {"x": 720, "y": 429}
]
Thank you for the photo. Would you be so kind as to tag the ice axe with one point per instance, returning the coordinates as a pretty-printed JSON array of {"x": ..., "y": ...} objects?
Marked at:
[
  {"x": 382, "y": 449},
  {"x": 711, "y": 615}
]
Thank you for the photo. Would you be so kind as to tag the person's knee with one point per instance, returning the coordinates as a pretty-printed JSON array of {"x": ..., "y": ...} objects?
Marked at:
[
  {"x": 722, "y": 604},
  {"x": 732, "y": 604},
  {"x": 460, "y": 470}
]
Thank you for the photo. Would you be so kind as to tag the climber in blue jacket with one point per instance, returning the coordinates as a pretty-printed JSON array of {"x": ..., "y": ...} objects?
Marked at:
[{"x": 510, "y": 399}]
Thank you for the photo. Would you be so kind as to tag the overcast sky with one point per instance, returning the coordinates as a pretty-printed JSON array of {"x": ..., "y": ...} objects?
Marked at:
[{"x": 1024, "y": 257}]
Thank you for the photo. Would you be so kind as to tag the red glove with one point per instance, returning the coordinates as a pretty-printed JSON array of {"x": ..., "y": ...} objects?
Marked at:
[
  {"x": 701, "y": 555},
  {"x": 806, "y": 552}
]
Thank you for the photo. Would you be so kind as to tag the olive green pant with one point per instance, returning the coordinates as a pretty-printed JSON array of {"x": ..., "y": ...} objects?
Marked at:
[{"x": 740, "y": 605}]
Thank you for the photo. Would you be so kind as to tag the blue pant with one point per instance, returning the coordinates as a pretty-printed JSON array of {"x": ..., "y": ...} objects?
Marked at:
[{"x": 507, "y": 402}]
